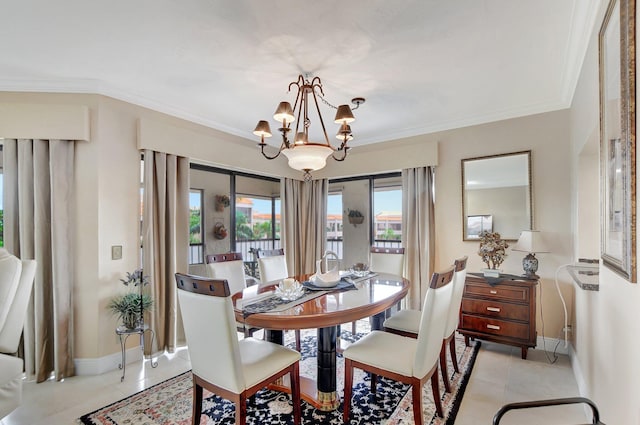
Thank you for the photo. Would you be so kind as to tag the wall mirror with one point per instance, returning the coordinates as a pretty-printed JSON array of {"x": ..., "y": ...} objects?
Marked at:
[{"x": 496, "y": 195}]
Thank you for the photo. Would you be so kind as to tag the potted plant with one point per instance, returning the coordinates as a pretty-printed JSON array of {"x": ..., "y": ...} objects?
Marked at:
[
  {"x": 222, "y": 201},
  {"x": 355, "y": 217},
  {"x": 131, "y": 306},
  {"x": 492, "y": 251}
]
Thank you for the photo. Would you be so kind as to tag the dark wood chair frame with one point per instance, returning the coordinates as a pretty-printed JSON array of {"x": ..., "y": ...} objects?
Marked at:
[
  {"x": 437, "y": 280},
  {"x": 220, "y": 288},
  {"x": 450, "y": 340},
  {"x": 231, "y": 256}
]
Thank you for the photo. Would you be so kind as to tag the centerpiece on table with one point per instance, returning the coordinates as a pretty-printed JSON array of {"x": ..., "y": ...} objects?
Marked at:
[
  {"x": 492, "y": 251},
  {"x": 131, "y": 306}
]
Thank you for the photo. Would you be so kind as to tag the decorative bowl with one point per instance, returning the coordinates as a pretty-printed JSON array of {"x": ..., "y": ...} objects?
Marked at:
[
  {"x": 360, "y": 269},
  {"x": 289, "y": 291},
  {"x": 321, "y": 283}
]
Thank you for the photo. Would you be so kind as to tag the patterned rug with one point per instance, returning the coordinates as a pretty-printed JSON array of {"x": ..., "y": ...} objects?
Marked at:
[{"x": 169, "y": 402}]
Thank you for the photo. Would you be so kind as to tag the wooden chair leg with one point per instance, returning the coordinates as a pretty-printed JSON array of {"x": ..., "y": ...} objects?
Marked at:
[
  {"x": 374, "y": 383},
  {"x": 295, "y": 393},
  {"x": 435, "y": 388},
  {"x": 452, "y": 350},
  {"x": 416, "y": 393},
  {"x": 241, "y": 410},
  {"x": 196, "y": 409},
  {"x": 348, "y": 383},
  {"x": 297, "y": 331},
  {"x": 443, "y": 367},
  {"x": 353, "y": 328}
]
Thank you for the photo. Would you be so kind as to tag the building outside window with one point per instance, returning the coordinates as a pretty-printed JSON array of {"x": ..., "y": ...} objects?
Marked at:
[
  {"x": 196, "y": 226},
  {"x": 387, "y": 212},
  {"x": 334, "y": 223}
]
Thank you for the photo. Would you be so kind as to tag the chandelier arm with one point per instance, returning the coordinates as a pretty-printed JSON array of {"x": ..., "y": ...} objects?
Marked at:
[
  {"x": 301, "y": 117},
  {"x": 262, "y": 145},
  {"x": 344, "y": 156},
  {"x": 324, "y": 130}
]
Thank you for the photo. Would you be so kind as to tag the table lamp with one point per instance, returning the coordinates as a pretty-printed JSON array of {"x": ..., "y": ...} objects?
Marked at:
[{"x": 531, "y": 241}]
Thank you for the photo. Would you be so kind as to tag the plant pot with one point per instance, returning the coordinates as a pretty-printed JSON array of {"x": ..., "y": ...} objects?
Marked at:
[
  {"x": 356, "y": 220},
  {"x": 491, "y": 272}
]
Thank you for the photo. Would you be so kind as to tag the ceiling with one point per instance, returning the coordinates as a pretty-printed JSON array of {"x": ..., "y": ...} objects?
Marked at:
[{"x": 423, "y": 66}]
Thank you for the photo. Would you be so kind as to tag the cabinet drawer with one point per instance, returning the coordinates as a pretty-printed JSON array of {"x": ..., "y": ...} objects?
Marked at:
[
  {"x": 493, "y": 326},
  {"x": 496, "y": 309},
  {"x": 498, "y": 292}
]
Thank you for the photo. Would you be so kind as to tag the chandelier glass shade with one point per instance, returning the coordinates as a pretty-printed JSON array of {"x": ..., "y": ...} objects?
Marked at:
[{"x": 305, "y": 155}]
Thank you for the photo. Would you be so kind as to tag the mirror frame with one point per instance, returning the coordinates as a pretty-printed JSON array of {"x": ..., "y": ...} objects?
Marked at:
[{"x": 489, "y": 157}]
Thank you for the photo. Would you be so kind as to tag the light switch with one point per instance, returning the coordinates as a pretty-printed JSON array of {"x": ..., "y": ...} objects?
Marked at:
[{"x": 116, "y": 252}]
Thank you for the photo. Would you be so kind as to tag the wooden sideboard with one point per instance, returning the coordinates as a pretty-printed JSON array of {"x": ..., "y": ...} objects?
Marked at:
[{"x": 500, "y": 310}]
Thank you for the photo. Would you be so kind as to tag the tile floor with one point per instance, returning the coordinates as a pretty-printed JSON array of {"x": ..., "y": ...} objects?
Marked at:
[{"x": 500, "y": 376}]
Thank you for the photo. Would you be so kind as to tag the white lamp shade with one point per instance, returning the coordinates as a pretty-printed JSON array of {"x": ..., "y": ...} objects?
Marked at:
[
  {"x": 308, "y": 157},
  {"x": 531, "y": 241}
]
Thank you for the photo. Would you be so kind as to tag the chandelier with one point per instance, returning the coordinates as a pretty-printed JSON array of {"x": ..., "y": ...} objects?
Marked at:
[{"x": 305, "y": 155}]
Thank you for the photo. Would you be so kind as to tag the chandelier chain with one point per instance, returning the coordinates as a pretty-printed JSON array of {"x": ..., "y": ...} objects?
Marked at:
[{"x": 325, "y": 101}]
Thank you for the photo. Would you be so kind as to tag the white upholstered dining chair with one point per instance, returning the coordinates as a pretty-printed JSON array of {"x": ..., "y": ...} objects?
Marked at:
[
  {"x": 412, "y": 360},
  {"x": 407, "y": 322},
  {"x": 272, "y": 266},
  {"x": 231, "y": 368},
  {"x": 230, "y": 267},
  {"x": 386, "y": 260},
  {"x": 16, "y": 283}
]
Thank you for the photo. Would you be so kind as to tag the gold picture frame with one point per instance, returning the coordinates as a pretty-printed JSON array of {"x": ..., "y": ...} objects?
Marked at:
[{"x": 616, "y": 42}]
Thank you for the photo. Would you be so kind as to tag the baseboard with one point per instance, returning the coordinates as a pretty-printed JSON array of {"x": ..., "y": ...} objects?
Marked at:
[
  {"x": 550, "y": 345},
  {"x": 100, "y": 365},
  {"x": 577, "y": 372}
]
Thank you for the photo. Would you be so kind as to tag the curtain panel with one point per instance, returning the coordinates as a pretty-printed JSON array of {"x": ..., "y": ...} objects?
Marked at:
[
  {"x": 304, "y": 218},
  {"x": 165, "y": 242},
  {"x": 418, "y": 231},
  {"x": 39, "y": 205}
]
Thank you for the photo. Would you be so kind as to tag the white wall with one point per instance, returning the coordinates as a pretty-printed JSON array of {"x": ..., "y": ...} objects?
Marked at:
[{"x": 607, "y": 322}]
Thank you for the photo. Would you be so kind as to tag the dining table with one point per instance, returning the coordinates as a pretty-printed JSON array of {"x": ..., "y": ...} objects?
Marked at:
[{"x": 324, "y": 309}]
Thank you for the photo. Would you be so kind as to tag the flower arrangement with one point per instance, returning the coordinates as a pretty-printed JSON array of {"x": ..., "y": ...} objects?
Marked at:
[
  {"x": 492, "y": 249},
  {"x": 131, "y": 306}
]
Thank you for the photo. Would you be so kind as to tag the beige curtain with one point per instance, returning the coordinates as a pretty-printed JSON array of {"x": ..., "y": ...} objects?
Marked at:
[
  {"x": 165, "y": 242},
  {"x": 304, "y": 218},
  {"x": 418, "y": 231},
  {"x": 39, "y": 207}
]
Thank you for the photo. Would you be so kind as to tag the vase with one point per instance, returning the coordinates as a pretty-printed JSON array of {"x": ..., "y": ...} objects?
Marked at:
[{"x": 132, "y": 321}]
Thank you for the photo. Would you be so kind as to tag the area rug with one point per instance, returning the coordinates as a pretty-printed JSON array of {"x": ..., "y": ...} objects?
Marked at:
[{"x": 169, "y": 403}]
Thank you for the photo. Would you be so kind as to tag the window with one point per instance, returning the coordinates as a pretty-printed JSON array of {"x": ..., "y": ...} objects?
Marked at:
[
  {"x": 196, "y": 226},
  {"x": 334, "y": 223},
  {"x": 387, "y": 212},
  {"x": 257, "y": 223}
]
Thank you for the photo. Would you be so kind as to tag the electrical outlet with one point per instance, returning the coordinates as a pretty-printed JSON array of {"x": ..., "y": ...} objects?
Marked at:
[{"x": 567, "y": 329}]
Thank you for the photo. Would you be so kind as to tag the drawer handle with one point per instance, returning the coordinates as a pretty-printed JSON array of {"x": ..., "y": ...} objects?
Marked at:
[
  {"x": 494, "y": 309},
  {"x": 493, "y": 291},
  {"x": 494, "y": 327}
]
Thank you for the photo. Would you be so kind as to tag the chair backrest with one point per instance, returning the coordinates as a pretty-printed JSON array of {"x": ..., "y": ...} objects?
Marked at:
[
  {"x": 11, "y": 332},
  {"x": 272, "y": 265},
  {"x": 210, "y": 329},
  {"x": 10, "y": 270},
  {"x": 229, "y": 267},
  {"x": 459, "y": 277},
  {"x": 387, "y": 260},
  {"x": 432, "y": 321}
]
